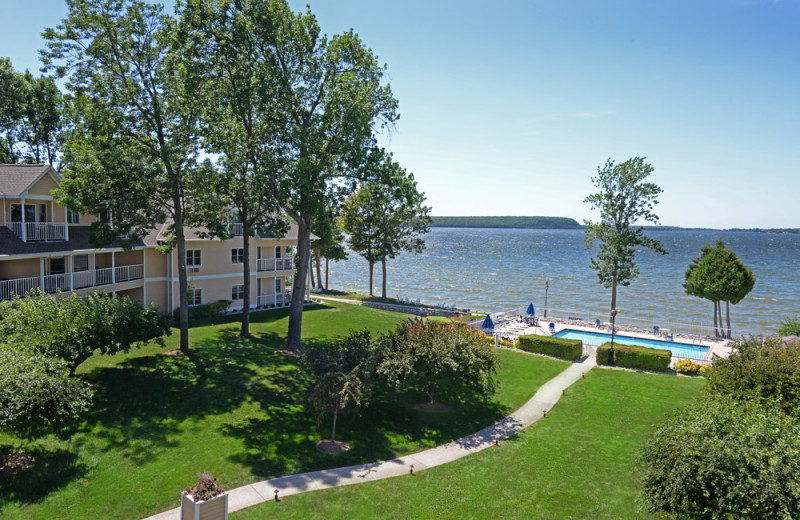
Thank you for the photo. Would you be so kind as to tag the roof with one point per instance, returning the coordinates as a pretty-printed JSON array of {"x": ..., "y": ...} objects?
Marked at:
[
  {"x": 15, "y": 179},
  {"x": 159, "y": 234},
  {"x": 11, "y": 244}
]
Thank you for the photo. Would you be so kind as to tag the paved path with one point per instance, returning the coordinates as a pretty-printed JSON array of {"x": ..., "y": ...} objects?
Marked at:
[{"x": 542, "y": 401}]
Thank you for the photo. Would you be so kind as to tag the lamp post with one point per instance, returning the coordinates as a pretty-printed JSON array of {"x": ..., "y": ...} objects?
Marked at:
[
  {"x": 613, "y": 330},
  {"x": 546, "y": 287}
]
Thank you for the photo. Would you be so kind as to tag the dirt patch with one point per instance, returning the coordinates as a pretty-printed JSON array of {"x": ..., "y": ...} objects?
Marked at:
[
  {"x": 14, "y": 462},
  {"x": 329, "y": 446},
  {"x": 432, "y": 407},
  {"x": 284, "y": 352},
  {"x": 246, "y": 336},
  {"x": 178, "y": 352}
]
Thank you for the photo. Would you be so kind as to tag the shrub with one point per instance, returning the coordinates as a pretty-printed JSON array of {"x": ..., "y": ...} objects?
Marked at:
[
  {"x": 790, "y": 327},
  {"x": 559, "y": 347},
  {"x": 688, "y": 367},
  {"x": 206, "y": 488},
  {"x": 634, "y": 356},
  {"x": 206, "y": 310}
]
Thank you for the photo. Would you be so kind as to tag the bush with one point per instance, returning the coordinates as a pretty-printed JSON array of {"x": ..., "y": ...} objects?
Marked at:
[
  {"x": 688, "y": 367},
  {"x": 634, "y": 356},
  {"x": 207, "y": 310},
  {"x": 569, "y": 349},
  {"x": 790, "y": 327}
]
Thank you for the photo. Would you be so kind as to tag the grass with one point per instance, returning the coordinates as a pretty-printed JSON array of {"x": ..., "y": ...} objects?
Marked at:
[
  {"x": 234, "y": 408},
  {"x": 579, "y": 462}
]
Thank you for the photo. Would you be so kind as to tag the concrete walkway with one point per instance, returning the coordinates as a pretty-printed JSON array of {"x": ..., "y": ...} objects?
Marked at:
[{"x": 533, "y": 410}]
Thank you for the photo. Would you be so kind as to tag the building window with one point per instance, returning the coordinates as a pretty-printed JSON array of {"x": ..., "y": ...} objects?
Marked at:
[
  {"x": 237, "y": 292},
  {"x": 80, "y": 263},
  {"x": 72, "y": 217},
  {"x": 237, "y": 255},
  {"x": 192, "y": 258},
  {"x": 58, "y": 265},
  {"x": 277, "y": 285},
  {"x": 195, "y": 296},
  {"x": 42, "y": 212}
]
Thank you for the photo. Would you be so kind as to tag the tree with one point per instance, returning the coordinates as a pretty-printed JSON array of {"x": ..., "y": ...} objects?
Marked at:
[
  {"x": 37, "y": 393},
  {"x": 133, "y": 149},
  {"x": 329, "y": 243},
  {"x": 360, "y": 219},
  {"x": 623, "y": 200},
  {"x": 762, "y": 369},
  {"x": 724, "y": 459},
  {"x": 342, "y": 369},
  {"x": 440, "y": 358},
  {"x": 240, "y": 117},
  {"x": 72, "y": 328},
  {"x": 718, "y": 275},
  {"x": 13, "y": 95}
]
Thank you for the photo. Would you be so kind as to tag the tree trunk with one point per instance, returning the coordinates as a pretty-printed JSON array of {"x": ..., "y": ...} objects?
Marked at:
[
  {"x": 245, "y": 331},
  {"x": 183, "y": 281},
  {"x": 728, "y": 317},
  {"x": 335, "y": 415},
  {"x": 716, "y": 331},
  {"x": 371, "y": 266},
  {"x": 326, "y": 274},
  {"x": 293, "y": 338},
  {"x": 383, "y": 287},
  {"x": 311, "y": 276},
  {"x": 614, "y": 292},
  {"x": 318, "y": 259}
]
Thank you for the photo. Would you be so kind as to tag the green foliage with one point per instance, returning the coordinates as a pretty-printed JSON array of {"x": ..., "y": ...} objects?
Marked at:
[
  {"x": 559, "y": 347},
  {"x": 206, "y": 488},
  {"x": 760, "y": 368},
  {"x": 623, "y": 200},
  {"x": 724, "y": 459},
  {"x": 440, "y": 358},
  {"x": 634, "y": 356},
  {"x": 790, "y": 327},
  {"x": 206, "y": 310},
  {"x": 507, "y": 222},
  {"x": 37, "y": 393},
  {"x": 689, "y": 367},
  {"x": 71, "y": 328}
]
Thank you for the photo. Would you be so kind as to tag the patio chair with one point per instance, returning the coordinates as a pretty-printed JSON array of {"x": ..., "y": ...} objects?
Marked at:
[
  {"x": 597, "y": 324},
  {"x": 656, "y": 330},
  {"x": 552, "y": 328}
]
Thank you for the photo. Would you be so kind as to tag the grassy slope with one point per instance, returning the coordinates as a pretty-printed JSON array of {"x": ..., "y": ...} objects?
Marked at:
[
  {"x": 579, "y": 462},
  {"x": 235, "y": 409}
]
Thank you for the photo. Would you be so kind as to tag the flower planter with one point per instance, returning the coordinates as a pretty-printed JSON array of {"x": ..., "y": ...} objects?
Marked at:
[{"x": 214, "y": 509}]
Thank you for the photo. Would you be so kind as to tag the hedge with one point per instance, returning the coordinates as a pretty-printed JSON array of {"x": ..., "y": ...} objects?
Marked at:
[
  {"x": 206, "y": 310},
  {"x": 634, "y": 356},
  {"x": 559, "y": 347}
]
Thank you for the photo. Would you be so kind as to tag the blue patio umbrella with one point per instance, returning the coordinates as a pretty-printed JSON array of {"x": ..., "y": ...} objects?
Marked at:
[
  {"x": 530, "y": 311},
  {"x": 487, "y": 323}
]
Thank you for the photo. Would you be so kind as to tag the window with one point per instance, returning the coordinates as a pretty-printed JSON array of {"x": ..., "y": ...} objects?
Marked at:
[
  {"x": 192, "y": 258},
  {"x": 104, "y": 216},
  {"x": 72, "y": 217},
  {"x": 278, "y": 252},
  {"x": 195, "y": 296},
  {"x": 237, "y": 292},
  {"x": 277, "y": 285},
  {"x": 42, "y": 212},
  {"x": 80, "y": 263},
  {"x": 57, "y": 265},
  {"x": 237, "y": 255}
]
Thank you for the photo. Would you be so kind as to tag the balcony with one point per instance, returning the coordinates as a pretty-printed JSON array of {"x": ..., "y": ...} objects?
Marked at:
[
  {"x": 274, "y": 264},
  {"x": 53, "y": 283},
  {"x": 279, "y": 299},
  {"x": 39, "y": 231}
]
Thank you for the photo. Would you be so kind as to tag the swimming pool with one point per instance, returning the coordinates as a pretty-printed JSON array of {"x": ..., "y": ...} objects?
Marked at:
[{"x": 597, "y": 338}]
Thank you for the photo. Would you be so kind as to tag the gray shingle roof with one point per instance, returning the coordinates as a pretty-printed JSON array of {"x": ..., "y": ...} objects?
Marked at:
[
  {"x": 16, "y": 178},
  {"x": 10, "y": 244}
]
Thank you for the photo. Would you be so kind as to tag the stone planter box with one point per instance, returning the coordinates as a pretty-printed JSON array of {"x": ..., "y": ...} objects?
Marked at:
[{"x": 214, "y": 509}]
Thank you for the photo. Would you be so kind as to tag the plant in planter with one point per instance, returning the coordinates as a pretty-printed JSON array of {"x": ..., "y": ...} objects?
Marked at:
[{"x": 207, "y": 500}]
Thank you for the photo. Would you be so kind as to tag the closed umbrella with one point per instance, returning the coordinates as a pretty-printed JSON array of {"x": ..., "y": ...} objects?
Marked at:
[
  {"x": 487, "y": 323},
  {"x": 530, "y": 311}
]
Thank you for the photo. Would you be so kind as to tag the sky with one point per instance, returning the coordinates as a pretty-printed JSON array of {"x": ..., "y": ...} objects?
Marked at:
[{"x": 508, "y": 107}]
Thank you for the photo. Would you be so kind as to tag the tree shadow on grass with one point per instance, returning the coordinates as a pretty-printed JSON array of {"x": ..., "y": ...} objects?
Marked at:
[{"x": 51, "y": 470}]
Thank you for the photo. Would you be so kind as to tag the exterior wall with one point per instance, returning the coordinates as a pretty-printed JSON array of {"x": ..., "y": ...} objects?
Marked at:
[
  {"x": 156, "y": 292},
  {"x": 11, "y": 269},
  {"x": 43, "y": 186}
]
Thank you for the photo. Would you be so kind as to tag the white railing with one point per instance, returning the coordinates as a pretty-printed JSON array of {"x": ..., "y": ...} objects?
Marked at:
[
  {"x": 235, "y": 228},
  {"x": 285, "y": 263},
  {"x": 277, "y": 299},
  {"x": 265, "y": 299},
  {"x": 39, "y": 231},
  {"x": 266, "y": 264},
  {"x": 70, "y": 281}
]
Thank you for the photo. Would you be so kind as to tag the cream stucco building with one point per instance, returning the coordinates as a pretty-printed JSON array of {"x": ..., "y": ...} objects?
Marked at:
[{"x": 45, "y": 246}]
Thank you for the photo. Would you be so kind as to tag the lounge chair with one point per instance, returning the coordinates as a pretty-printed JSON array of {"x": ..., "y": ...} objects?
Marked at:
[
  {"x": 552, "y": 328},
  {"x": 597, "y": 324}
]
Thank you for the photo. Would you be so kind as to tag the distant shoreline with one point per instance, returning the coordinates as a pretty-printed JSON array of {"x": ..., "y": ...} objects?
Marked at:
[{"x": 557, "y": 223}]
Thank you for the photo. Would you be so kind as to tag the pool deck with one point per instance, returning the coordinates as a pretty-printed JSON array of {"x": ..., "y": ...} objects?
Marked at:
[{"x": 718, "y": 348}]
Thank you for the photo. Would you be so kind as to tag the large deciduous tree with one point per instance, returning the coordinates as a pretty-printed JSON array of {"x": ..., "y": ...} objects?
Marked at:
[
  {"x": 623, "y": 200},
  {"x": 134, "y": 146},
  {"x": 719, "y": 275}
]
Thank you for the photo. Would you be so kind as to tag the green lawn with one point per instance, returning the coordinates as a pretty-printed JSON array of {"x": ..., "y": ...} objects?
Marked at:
[
  {"x": 234, "y": 408},
  {"x": 579, "y": 462}
]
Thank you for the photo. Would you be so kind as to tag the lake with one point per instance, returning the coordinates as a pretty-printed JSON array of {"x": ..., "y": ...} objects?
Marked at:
[{"x": 500, "y": 269}]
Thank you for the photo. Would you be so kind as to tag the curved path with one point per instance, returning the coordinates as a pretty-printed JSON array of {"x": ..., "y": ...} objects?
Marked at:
[{"x": 533, "y": 410}]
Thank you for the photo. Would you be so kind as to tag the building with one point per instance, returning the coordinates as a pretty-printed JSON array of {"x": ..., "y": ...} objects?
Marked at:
[{"x": 46, "y": 246}]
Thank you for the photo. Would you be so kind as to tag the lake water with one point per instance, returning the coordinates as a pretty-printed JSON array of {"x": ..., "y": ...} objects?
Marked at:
[{"x": 499, "y": 269}]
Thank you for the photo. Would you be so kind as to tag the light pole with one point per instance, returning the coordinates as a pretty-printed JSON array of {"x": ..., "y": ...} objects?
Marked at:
[
  {"x": 546, "y": 287},
  {"x": 613, "y": 330}
]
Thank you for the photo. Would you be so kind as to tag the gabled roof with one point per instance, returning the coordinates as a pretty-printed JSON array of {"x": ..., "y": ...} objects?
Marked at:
[{"x": 15, "y": 179}]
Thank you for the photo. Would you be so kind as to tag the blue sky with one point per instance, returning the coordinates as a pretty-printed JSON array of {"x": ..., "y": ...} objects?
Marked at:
[{"x": 508, "y": 107}]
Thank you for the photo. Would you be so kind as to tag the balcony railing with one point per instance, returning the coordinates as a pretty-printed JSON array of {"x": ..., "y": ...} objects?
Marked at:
[
  {"x": 278, "y": 299},
  {"x": 235, "y": 228},
  {"x": 38, "y": 231},
  {"x": 274, "y": 264},
  {"x": 52, "y": 283}
]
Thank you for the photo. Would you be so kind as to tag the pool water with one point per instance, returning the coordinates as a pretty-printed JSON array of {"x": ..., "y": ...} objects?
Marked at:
[{"x": 684, "y": 350}]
